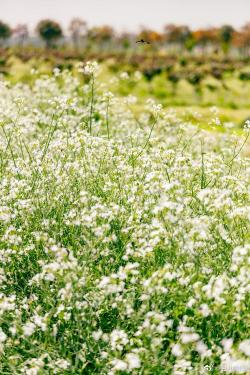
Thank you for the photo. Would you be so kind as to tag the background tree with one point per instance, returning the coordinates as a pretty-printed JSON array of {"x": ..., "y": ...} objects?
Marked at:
[
  {"x": 125, "y": 40},
  {"x": 226, "y": 35},
  {"x": 77, "y": 29},
  {"x": 49, "y": 31},
  {"x": 242, "y": 39},
  {"x": 151, "y": 36},
  {"x": 21, "y": 32},
  {"x": 177, "y": 35},
  {"x": 5, "y": 31},
  {"x": 206, "y": 37},
  {"x": 101, "y": 35}
]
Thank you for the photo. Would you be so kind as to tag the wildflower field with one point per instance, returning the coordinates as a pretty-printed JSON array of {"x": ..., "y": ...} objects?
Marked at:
[{"x": 124, "y": 232}]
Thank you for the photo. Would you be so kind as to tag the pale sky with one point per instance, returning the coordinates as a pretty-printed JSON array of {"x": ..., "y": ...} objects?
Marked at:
[{"x": 128, "y": 14}]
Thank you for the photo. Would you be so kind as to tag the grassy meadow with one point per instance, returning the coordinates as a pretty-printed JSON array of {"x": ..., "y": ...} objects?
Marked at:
[{"x": 124, "y": 217}]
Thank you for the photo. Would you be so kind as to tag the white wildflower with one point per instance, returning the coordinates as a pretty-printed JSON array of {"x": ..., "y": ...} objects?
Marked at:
[
  {"x": 244, "y": 347},
  {"x": 177, "y": 350},
  {"x": 28, "y": 329},
  {"x": 133, "y": 361}
]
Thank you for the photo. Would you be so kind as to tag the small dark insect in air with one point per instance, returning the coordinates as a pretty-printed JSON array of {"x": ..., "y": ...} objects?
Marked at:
[{"x": 143, "y": 41}]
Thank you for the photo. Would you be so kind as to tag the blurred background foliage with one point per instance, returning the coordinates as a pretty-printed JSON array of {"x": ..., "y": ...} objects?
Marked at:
[{"x": 180, "y": 67}]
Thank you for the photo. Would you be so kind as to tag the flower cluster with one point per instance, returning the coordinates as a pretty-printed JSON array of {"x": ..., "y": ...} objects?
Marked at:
[{"x": 124, "y": 250}]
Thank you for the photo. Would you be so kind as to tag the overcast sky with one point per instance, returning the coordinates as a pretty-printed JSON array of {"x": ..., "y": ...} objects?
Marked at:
[{"x": 128, "y": 14}]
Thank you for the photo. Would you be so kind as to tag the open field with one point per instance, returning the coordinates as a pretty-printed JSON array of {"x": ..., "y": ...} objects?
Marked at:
[{"x": 124, "y": 220}]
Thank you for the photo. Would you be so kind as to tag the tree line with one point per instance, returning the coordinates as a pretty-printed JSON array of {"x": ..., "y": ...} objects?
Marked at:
[{"x": 172, "y": 36}]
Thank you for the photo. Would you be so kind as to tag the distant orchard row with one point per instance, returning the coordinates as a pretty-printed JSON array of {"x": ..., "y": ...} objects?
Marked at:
[{"x": 80, "y": 35}]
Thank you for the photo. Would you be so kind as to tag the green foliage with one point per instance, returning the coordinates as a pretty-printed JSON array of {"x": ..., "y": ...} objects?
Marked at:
[
  {"x": 49, "y": 31},
  {"x": 5, "y": 31},
  {"x": 226, "y": 33},
  {"x": 226, "y": 36}
]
